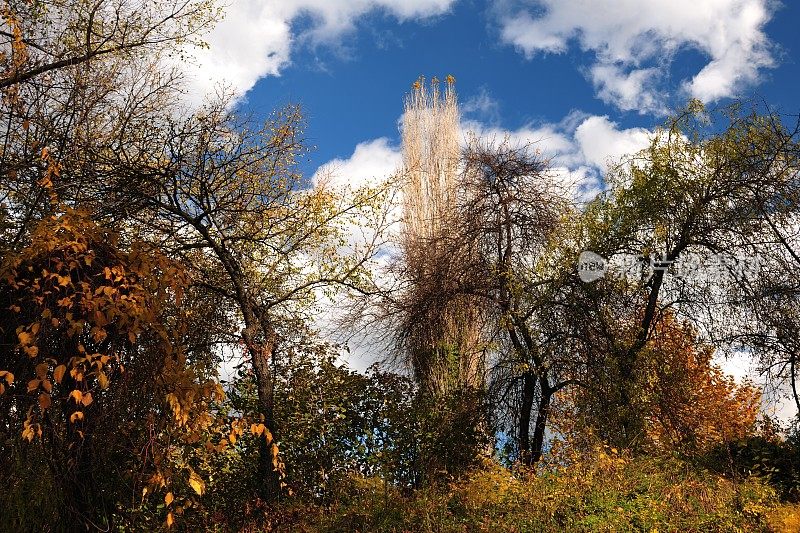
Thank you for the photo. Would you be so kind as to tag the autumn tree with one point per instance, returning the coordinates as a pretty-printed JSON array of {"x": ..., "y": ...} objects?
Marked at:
[
  {"x": 688, "y": 402},
  {"x": 232, "y": 207},
  {"x": 89, "y": 82},
  {"x": 50, "y": 37},
  {"x": 693, "y": 193},
  {"x": 442, "y": 329},
  {"x": 438, "y": 325},
  {"x": 90, "y": 330}
]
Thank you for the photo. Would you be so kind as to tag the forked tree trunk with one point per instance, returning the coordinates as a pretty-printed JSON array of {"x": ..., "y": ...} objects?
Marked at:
[{"x": 531, "y": 448}]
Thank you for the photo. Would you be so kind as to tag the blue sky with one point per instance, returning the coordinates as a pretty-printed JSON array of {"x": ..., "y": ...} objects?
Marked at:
[{"x": 536, "y": 69}]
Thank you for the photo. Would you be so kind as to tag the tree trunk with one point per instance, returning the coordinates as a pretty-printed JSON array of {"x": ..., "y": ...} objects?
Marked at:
[
  {"x": 524, "y": 429},
  {"x": 530, "y": 449},
  {"x": 537, "y": 445},
  {"x": 261, "y": 354}
]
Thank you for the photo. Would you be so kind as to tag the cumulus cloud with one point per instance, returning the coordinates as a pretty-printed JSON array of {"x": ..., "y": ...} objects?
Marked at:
[
  {"x": 635, "y": 41},
  {"x": 580, "y": 147},
  {"x": 371, "y": 162},
  {"x": 602, "y": 143},
  {"x": 256, "y": 37}
]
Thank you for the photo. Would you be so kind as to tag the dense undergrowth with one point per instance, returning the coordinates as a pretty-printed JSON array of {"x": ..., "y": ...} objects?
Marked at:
[{"x": 611, "y": 493}]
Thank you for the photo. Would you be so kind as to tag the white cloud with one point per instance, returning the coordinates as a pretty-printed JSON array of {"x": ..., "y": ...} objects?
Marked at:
[
  {"x": 637, "y": 89},
  {"x": 602, "y": 143},
  {"x": 635, "y": 41},
  {"x": 580, "y": 147},
  {"x": 482, "y": 106},
  {"x": 371, "y": 162},
  {"x": 256, "y": 39}
]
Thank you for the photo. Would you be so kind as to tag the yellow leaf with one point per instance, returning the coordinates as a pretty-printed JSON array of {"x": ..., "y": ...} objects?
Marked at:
[
  {"x": 77, "y": 415},
  {"x": 58, "y": 373},
  {"x": 87, "y": 399},
  {"x": 197, "y": 483},
  {"x": 168, "y": 498},
  {"x": 33, "y": 384},
  {"x": 2, "y": 388},
  {"x": 76, "y": 395},
  {"x": 44, "y": 401},
  {"x": 102, "y": 379},
  {"x": 25, "y": 338},
  {"x": 32, "y": 351},
  {"x": 46, "y": 385},
  {"x": 170, "y": 520},
  {"x": 9, "y": 377}
]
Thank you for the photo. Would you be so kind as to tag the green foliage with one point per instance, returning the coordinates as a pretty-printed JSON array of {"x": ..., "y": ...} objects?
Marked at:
[
  {"x": 332, "y": 421},
  {"x": 453, "y": 434}
]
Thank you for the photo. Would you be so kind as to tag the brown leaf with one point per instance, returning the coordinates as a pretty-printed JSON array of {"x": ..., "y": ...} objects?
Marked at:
[
  {"x": 44, "y": 401},
  {"x": 42, "y": 369}
]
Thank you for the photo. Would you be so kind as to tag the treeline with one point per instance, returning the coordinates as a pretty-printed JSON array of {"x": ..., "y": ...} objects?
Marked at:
[{"x": 143, "y": 242}]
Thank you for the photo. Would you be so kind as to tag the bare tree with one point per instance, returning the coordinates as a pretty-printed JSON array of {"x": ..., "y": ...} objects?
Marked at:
[{"x": 511, "y": 210}]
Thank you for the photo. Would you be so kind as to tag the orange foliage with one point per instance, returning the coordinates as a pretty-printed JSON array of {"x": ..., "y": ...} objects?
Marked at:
[
  {"x": 78, "y": 311},
  {"x": 689, "y": 403}
]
